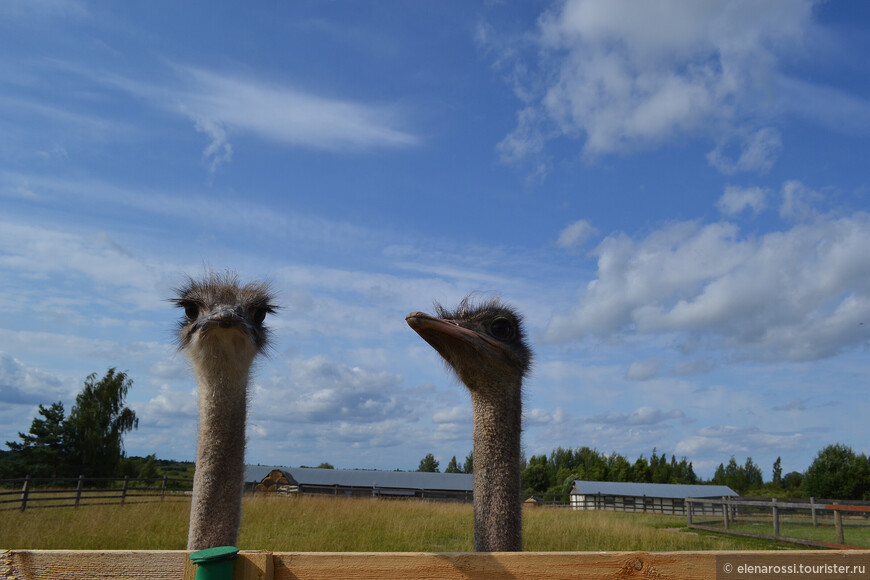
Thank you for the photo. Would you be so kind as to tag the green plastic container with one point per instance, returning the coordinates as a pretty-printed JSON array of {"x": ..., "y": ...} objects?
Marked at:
[{"x": 215, "y": 563}]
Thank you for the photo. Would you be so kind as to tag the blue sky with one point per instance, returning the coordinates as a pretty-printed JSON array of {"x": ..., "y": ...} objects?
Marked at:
[{"x": 675, "y": 194}]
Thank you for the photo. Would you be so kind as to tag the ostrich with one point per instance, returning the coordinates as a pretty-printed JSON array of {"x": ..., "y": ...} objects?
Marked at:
[
  {"x": 484, "y": 345},
  {"x": 222, "y": 333}
]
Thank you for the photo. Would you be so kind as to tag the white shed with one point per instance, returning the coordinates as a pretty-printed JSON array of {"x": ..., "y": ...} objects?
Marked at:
[{"x": 662, "y": 498}]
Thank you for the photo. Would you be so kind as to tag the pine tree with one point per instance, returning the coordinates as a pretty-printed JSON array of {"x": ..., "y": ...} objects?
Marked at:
[
  {"x": 429, "y": 464},
  {"x": 41, "y": 453}
]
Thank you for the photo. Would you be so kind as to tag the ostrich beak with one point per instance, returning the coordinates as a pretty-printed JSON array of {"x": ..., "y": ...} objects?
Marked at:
[
  {"x": 224, "y": 317},
  {"x": 446, "y": 337}
]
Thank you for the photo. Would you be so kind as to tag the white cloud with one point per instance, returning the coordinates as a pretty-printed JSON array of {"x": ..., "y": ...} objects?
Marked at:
[
  {"x": 319, "y": 390},
  {"x": 736, "y": 199},
  {"x": 724, "y": 440},
  {"x": 640, "y": 416},
  {"x": 797, "y": 294},
  {"x": 643, "y": 370},
  {"x": 547, "y": 417},
  {"x": 758, "y": 152},
  {"x": 624, "y": 75},
  {"x": 21, "y": 385},
  {"x": 798, "y": 201},
  {"x": 219, "y": 151},
  {"x": 576, "y": 234},
  {"x": 286, "y": 115}
]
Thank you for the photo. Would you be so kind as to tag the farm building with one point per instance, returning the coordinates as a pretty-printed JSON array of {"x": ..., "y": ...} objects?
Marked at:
[
  {"x": 664, "y": 498},
  {"x": 359, "y": 482}
]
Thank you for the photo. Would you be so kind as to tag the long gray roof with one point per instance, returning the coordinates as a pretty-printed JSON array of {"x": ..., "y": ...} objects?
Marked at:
[
  {"x": 366, "y": 478},
  {"x": 665, "y": 490}
]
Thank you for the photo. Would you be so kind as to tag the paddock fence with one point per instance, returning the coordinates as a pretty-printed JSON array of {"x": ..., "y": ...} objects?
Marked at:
[
  {"x": 810, "y": 522},
  {"x": 172, "y": 565},
  {"x": 32, "y": 492}
]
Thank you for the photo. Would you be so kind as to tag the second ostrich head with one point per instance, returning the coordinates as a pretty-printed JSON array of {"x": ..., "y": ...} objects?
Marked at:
[
  {"x": 222, "y": 332},
  {"x": 485, "y": 345}
]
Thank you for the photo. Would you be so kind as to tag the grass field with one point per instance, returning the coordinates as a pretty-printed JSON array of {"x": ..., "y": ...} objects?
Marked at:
[{"x": 326, "y": 524}]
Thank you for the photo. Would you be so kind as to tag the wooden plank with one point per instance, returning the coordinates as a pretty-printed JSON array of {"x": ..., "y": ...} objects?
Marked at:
[
  {"x": 846, "y": 508},
  {"x": 98, "y": 565},
  {"x": 121, "y": 565},
  {"x": 495, "y": 566}
]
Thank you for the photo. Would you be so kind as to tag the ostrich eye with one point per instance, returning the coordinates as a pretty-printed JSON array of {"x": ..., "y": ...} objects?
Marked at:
[
  {"x": 501, "y": 328},
  {"x": 259, "y": 315},
  {"x": 191, "y": 310}
]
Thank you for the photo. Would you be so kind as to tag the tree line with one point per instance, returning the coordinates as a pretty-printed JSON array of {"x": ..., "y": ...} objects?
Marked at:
[
  {"x": 88, "y": 441},
  {"x": 837, "y": 472}
]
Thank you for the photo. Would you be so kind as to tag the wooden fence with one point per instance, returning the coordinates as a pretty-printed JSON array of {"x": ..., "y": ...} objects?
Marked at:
[
  {"x": 28, "y": 493},
  {"x": 818, "y": 523},
  {"x": 174, "y": 565}
]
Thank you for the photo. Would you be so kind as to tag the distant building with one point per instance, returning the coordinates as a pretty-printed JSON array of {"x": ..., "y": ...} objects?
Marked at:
[
  {"x": 660, "y": 498},
  {"x": 360, "y": 482}
]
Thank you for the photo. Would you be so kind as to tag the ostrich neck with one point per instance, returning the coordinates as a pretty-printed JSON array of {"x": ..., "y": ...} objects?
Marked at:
[
  {"x": 216, "y": 507},
  {"x": 497, "y": 507}
]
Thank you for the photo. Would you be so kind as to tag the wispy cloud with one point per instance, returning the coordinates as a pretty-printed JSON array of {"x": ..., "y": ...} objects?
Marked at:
[
  {"x": 576, "y": 234},
  {"x": 222, "y": 103},
  {"x": 736, "y": 199}
]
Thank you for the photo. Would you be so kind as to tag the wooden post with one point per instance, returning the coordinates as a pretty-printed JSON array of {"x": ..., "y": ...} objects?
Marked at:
[
  {"x": 726, "y": 509},
  {"x": 813, "y": 509},
  {"x": 25, "y": 492},
  {"x": 163, "y": 489},
  {"x": 838, "y": 526},
  {"x": 124, "y": 490},
  {"x": 688, "y": 511},
  {"x": 775, "y": 518},
  {"x": 79, "y": 487}
]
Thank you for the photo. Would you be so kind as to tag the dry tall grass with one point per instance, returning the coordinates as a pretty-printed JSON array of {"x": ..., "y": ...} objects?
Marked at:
[{"x": 327, "y": 524}]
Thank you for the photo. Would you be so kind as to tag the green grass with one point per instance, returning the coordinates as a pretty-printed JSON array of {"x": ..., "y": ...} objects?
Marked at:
[{"x": 327, "y": 524}]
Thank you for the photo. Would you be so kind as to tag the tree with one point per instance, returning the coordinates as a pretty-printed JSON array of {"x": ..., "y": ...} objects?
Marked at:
[
  {"x": 453, "y": 466},
  {"x": 777, "y": 472},
  {"x": 468, "y": 466},
  {"x": 325, "y": 465},
  {"x": 149, "y": 468},
  {"x": 737, "y": 477},
  {"x": 429, "y": 464},
  {"x": 838, "y": 473},
  {"x": 94, "y": 430},
  {"x": 535, "y": 478},
  {"x": 792, "y": 480},
  {"x": 41, "y": 452},
  {"x": 753, "y": 474}
]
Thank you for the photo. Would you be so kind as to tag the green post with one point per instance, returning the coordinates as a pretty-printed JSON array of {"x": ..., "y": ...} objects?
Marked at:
[{"x": 215, "y": 563}]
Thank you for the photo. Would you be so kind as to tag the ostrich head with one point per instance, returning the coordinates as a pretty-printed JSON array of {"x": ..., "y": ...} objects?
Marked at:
[
  {"x": 484, "y": 344},
  {"x": 223, "y": 319}
]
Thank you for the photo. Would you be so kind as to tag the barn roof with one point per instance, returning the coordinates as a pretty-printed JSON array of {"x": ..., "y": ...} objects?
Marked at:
[
  {"x": 664, "y": 490},
  {"x": 366, "y": 478}
]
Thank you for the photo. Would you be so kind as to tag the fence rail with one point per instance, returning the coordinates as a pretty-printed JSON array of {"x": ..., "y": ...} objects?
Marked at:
[
  {"x": 83, "y": 491},
  {"x": 818, "y": 523},
  {"x": 159, "y": 565}
]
